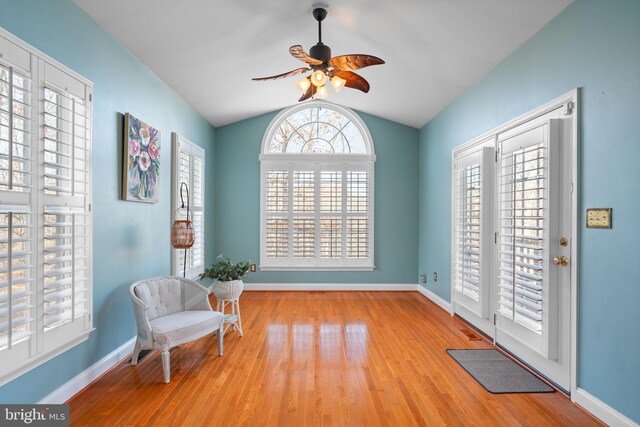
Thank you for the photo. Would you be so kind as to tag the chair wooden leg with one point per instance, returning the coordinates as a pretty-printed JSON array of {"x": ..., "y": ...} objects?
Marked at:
[
  {"x": 136, "y": 353},
  {"x": 220, "y": 339},
  {"x": 165, "y": 365}
]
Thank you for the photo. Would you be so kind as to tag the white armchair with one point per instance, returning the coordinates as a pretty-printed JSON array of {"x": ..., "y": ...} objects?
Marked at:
[{"x": 171, "y": 311}]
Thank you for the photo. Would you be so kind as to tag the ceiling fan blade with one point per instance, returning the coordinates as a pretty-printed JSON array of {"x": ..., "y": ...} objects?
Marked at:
[
  {"x": 283, "y": 75},
  {"x": 353, "y": 80},
  {"x": 309, "y": 93},
  {"x": 298, "y": 52},
  {"x": 354, "y": 62}
]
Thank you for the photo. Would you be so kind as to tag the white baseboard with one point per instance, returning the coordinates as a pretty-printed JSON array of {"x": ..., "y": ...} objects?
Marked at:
[
  {"x": 329, "y": 287},
  {"x": 83, "y": 379},
  {"x": 435, "y": 298},
  {"x": 598, "y": 408}
]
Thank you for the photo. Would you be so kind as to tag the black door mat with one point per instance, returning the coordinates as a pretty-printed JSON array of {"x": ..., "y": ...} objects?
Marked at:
[{"x": 497, "y": 373}]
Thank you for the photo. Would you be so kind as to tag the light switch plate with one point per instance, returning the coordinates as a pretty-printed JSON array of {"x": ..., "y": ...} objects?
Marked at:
[{"x": 599, "y": 217}]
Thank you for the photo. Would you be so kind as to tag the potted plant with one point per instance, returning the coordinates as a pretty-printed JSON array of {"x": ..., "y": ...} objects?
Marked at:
[{"x": 228, "y": 276}]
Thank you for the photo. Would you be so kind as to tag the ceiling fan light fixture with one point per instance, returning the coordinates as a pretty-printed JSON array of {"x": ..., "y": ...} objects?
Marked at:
[
  {"x": 318, "y": 78},
  {"x": 303, "y": 84},
  {"x": 338, "y": 83},
  {"x": 322, "y": 93}
]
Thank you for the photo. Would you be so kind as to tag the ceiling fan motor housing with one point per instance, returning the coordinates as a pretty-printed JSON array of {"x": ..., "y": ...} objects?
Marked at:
[{"x": 321, "y": 52}]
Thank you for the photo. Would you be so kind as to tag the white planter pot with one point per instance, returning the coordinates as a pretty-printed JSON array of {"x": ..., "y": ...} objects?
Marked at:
[{"x": 228, "y": 290}]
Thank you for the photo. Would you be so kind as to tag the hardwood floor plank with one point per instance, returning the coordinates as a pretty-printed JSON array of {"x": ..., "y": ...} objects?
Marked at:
[{"x": 335, "y": 358}]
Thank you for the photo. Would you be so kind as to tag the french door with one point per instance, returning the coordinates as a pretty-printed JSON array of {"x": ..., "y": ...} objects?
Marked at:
[
  {"x": 533, "y": 177},
  {"x": 511, "y": 241}
]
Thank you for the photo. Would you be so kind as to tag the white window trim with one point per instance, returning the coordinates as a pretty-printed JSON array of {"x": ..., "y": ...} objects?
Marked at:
[
  {"x": 181, "y": 143},
  {"x": 79, "y": 331},
  {"x": 365, "y": 162}
]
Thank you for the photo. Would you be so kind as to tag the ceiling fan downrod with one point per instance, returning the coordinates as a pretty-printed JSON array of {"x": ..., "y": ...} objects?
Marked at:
[{"x": 320, "y": 51}]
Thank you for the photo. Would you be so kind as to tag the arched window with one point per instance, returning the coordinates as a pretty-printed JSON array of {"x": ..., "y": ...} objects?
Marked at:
[{"x": 317, "y": 190}]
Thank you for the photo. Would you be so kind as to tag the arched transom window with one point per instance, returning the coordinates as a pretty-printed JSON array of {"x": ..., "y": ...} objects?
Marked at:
[
  {"x": 317, "y": 130},
  {"x": 317, "y": 190}
]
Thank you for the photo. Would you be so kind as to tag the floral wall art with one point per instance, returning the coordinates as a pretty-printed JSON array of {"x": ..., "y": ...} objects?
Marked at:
[{"x": 141, "y": 168}]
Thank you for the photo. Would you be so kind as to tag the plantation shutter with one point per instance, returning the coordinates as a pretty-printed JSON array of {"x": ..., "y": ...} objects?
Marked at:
[
  {"x": 45, "y": 222},
  {"x": 525, "y": 191},
  {"x": 317, "y": 214},
  {"x": 472, "y": 224},
  {"x": 66, "y": 221},
  {"x": 189, "y": 169}
]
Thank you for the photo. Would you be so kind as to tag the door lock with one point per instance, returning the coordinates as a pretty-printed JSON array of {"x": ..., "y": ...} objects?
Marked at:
[
  {"x": 564, "y": 241},
  {"x": 561, "y": 261}
]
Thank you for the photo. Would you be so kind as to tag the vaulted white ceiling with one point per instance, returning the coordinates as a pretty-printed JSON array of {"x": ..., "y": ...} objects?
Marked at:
[{"x": 208, "y": 50}]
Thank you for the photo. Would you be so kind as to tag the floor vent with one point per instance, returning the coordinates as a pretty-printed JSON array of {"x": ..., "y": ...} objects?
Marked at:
[
  {"x": 316, "y": 292},
  {"x": 471, "y": 336}
]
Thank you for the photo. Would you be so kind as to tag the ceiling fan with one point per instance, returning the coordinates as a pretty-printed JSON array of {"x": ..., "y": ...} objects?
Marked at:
[{"x": 339, "y": 70}]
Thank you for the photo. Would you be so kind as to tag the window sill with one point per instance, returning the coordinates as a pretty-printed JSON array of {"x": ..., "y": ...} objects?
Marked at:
[
  {"x": 40, "y": 359},
  {"x": 317, "y": 268}
]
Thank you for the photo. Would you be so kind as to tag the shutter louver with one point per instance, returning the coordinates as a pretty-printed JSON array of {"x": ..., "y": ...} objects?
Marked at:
[
  {"x": 303, "y": 225},
  {"x": 522, "y": 193},
  {"x": 357, "y": 232},
  {"x": 277, "y": 232},
  {"x": 277, "y": 206},
  {"x": 357, "y": 238},
  {"x": 66, "y": 160},
  {"x": 66, "y": 265},
  {"x": 331, "y": 211},
  {"x": 16, "y": 282},
  {"x": 15, "y": 130},
  {"x": 467, "y": 236}
]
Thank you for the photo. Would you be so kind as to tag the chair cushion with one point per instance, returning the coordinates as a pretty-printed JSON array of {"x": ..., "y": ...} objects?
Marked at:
[
  {"x": 162, "y": 296},
  {"x": 184, "y": 326}
]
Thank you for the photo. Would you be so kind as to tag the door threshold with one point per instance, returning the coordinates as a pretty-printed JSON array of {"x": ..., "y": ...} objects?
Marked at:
[{"x": 532, "y": 370}]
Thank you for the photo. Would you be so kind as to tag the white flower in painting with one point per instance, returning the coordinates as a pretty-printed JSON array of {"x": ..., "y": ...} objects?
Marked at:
[{"x": 144, "y": 161}]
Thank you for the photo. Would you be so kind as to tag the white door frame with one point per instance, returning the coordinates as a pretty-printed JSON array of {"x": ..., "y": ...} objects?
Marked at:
[{"x": 572, "y": 97}]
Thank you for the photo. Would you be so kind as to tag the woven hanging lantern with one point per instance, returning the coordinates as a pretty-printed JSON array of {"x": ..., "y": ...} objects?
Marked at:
[{"x": 182, "y": 234}]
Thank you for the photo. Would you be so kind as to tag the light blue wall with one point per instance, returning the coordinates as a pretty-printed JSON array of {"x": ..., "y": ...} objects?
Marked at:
[
  {"x": 595, "y": 45},
  {"x": 131, "y": 240},
  {"x": 396, "y": 202}
]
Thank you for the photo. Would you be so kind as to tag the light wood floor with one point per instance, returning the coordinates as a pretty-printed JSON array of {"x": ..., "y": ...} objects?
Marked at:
[{"x": 335, "y": 358}]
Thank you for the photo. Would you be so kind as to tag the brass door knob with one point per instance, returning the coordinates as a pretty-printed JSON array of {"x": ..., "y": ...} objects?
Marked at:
[{"x": 561, "y": 261}]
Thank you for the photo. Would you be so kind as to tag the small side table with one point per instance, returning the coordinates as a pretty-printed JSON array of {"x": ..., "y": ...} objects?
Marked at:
[{"x": 228, "y": 293}]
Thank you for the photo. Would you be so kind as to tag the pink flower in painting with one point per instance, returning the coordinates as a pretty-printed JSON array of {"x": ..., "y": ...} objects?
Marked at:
[
  {"x": 153, "y": 150},
  {"x": 134, "y": 148},
  {"x": 144, "y": 161},
  {"x": 144, "y": 134}
]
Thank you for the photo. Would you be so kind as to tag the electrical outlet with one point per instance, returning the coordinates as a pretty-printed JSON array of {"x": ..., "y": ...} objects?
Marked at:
[
  {"x": 435, "y": 276},
  {"x": 252, "y": 268},
  {"x": 423, "y": 278}
]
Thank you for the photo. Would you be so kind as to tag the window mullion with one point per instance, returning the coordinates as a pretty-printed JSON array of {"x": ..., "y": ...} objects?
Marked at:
[{"x": 343, "y": 214}]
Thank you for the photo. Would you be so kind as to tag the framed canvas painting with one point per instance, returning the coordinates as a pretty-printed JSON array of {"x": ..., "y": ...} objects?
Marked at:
[{"x": 141, "y": 166}]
